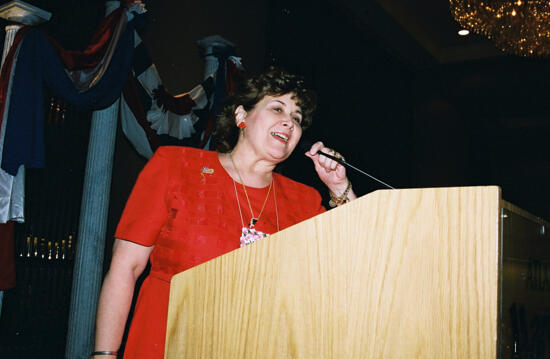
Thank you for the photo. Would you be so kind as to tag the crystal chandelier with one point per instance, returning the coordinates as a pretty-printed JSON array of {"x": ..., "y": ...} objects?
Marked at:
[{"x": 519, "y": 27}]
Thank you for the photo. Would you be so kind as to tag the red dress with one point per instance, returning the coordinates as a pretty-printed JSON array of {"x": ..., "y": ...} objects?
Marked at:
[{"x": 184, "y": 204}]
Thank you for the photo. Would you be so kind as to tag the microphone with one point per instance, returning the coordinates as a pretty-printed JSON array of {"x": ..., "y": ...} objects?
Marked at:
[{"x": 305, "y": 145}]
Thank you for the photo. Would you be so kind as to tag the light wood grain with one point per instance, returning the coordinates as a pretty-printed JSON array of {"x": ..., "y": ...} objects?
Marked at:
[{"x": 395, "y": 274}]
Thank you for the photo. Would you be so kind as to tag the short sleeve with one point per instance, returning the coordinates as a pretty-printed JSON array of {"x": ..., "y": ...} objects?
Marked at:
[
  {"x": 312, "y": 202},
  {"x": 317, "y": 204},
  {"x": 146, "y": 209},
  {"x": 298, "y": 201}
]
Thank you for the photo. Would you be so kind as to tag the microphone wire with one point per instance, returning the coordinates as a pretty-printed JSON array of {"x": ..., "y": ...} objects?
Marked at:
[{"x": 341, "y": 161}]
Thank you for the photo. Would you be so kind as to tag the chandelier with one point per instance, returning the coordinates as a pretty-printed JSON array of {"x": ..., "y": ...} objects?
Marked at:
[{"x": 520, "y": 27}]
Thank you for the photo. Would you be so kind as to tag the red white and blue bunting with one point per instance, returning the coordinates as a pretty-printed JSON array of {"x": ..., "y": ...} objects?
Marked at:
[{"x": 115, "y": 63}]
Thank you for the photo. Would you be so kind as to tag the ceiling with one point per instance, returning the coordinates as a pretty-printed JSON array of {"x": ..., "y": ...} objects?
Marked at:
[{"x": 429, "y": 23}]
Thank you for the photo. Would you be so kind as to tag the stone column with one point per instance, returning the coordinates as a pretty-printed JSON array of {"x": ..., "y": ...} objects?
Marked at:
[
  {"x": 11, "y": 30},
  {"x": 90, "y": 244},
  {"x": 22, "y": 14}
]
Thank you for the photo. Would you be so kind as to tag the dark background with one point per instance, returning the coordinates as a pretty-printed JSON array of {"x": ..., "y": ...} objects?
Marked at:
[
  {"x": 400, "y": 96},
  {"x": 419, "y": 123}
]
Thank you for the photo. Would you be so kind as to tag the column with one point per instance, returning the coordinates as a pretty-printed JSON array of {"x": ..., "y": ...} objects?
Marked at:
[
  {"x": 11, "y": 30},
  {"x": 90, "y": 245}
]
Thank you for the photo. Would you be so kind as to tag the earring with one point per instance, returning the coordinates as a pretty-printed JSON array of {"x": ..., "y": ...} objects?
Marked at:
[{"x": 241, "y": 125}]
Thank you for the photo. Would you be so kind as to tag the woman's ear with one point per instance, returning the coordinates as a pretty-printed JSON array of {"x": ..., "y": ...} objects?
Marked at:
[{"x": 240, "y": 114}]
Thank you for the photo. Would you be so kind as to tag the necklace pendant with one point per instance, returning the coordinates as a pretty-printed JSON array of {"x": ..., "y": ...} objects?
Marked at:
[{"x": 253, "y": 222}]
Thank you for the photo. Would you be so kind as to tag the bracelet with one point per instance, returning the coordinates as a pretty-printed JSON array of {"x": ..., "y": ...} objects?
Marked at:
[
  {"x": 108, "y": 352},
  {"x": 338, "y": 200}
]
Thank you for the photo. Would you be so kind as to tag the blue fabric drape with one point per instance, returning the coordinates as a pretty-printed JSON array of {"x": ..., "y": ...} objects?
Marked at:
[{"x": 39, "y": 64}]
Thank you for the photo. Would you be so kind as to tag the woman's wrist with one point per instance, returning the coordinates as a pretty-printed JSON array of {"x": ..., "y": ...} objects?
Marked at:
[
  {"x": 340, "y": 197},
  {"x": 104, "y": 353},
  {"x": 338, "y": 188}
]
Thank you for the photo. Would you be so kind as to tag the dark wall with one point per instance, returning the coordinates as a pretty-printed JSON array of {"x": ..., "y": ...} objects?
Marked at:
[
  {"x": 175, "y": 26},
  {"x": 365, "y": 93},
  {"x": 486, "y": 123},
  {"x": 411, "y": 123}
]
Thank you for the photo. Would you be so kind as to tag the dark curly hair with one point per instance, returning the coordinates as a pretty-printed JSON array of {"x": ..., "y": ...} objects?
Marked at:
[{"x": 273, "y": 82}]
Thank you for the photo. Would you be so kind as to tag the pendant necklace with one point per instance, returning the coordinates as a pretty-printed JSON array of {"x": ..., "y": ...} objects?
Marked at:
[{"x": 253, "y": 219}]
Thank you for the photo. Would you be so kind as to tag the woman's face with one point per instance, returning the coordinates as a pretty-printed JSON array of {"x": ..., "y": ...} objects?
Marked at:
[{"x": 272, "y": 127}]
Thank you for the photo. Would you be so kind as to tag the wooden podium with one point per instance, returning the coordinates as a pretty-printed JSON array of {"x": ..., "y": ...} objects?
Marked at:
[{"x": 413, "y": 273}]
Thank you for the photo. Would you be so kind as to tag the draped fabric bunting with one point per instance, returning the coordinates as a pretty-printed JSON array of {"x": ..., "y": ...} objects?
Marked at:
[
  {"x": 115, "y": 62},
  {"x": 39, "y": 63},
  {"x": 148, "y": 110},
  {"x": 21, "y": 111},
  {"x": 12, "y": 188},
  {"x": 143, "y": 117},
  {"x": 94, "y": 53}
]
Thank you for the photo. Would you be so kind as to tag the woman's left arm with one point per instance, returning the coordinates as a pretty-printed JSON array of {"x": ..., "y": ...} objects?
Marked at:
[{"x": 332, "y": 173}]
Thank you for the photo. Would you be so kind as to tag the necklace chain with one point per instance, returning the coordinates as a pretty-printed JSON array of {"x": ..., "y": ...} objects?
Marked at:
[{"x": 253, "y": 220}]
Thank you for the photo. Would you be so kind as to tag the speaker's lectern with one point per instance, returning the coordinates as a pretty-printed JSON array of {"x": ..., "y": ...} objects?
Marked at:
[{"x": 416, "y": 273}]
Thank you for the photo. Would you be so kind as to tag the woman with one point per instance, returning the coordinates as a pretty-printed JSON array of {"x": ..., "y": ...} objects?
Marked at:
[{"x": 191, "y": 205}]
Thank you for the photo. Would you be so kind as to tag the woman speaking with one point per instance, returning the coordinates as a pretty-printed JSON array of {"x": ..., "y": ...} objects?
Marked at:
[{"x": 189, "y": 206}]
